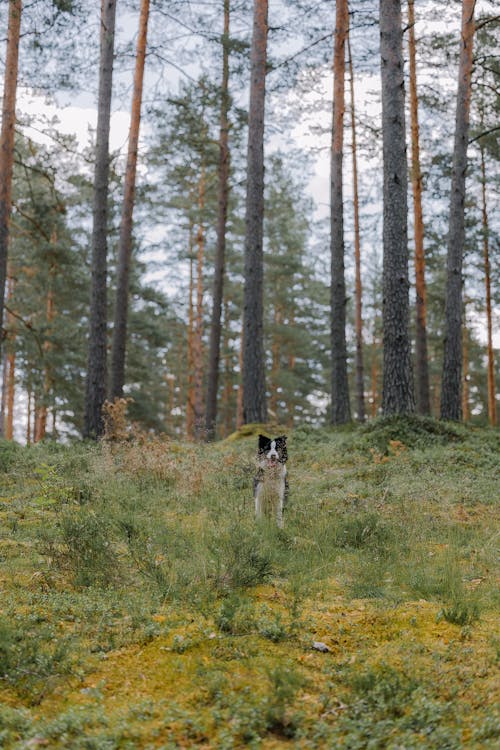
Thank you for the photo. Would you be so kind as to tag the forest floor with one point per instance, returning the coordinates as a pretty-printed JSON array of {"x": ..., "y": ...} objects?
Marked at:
[{"x": 142, "y": 606}]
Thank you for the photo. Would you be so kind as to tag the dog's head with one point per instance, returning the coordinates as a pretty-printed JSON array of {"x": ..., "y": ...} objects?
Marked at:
[{"x": 272, "y": 451}]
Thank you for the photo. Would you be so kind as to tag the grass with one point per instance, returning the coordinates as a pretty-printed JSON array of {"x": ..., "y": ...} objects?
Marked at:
[{"x": 143, "y": 607}]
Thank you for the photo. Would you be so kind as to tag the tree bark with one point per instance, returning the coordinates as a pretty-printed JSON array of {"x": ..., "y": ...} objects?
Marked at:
[
  {"x": 198, "y": 322},
  {"x": 452, "y": 361},
  {"x": 398, "y": 395},
  {"x": 421, "y": 357},
  {"x": 492, "y": 398},
  {"x": 42, "y": 406},
  {"x": 9, "y": 383},
  {"x": 7, "y": 143},
  {"x": 190, "y": 392},
  {"x": 96, "y": 368},
  {"x": 360, "y": 388},
  {"x": 119, "y": 344},
  {"x": 220, "y": 250},
  {"x": 254, "y": 385},
  {"x": 341, "y": 410},
  {"x": 465, "y": 368}
]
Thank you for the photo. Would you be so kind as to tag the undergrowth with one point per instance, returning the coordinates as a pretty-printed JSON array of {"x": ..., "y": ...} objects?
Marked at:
[{"x": 150, "y": 548}]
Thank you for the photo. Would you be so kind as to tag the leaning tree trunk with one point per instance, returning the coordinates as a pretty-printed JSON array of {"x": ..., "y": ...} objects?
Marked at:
[
  {"x": 7, "y": 143},
  {"x": 397, "y": 397},
  {"x": 452, "y": 361},
  {"x": 220, "y": 250},
  {"x": 360, "y": 371},
  {"x": 96, "y": 369},
  {"x": 254, "y": 383},
  {"x": 421, "y": 358},
  {"x": 341, "y": 410},
  {"x": 125, "y": 245}
]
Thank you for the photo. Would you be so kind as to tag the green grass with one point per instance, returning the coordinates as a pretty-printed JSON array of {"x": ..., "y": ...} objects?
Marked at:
[{"x": 142, "y": 606}]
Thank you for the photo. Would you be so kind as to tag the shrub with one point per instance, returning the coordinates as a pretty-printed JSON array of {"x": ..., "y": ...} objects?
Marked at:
[
  {"x": 88, "y": 551},
  {"x": 244, "y": 558}
]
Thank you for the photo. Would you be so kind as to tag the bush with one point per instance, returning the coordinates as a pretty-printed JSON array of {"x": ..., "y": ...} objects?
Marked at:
[
  {"x": 88, "y": 551},
  {"x": 244, "y": 558}
]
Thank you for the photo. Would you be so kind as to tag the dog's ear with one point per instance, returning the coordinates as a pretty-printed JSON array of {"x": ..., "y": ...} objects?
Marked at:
[
  {"x": 263, "y": 442},
  {"x": 281, "y": 439}
]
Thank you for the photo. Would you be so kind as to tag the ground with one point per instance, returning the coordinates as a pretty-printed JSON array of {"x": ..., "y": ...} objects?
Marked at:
[{"x": 143, "y": 607}]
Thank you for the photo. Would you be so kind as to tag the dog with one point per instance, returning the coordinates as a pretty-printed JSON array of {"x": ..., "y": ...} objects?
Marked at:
[{"x": 270, "y": 489}]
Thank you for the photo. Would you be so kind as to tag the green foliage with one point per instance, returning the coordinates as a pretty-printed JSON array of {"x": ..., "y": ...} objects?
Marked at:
[
  {"x": 88, "y": 549},
  {"x": 284, "y": 683},
  {"x": 365, "y": 531},
  {"x": 461, "y": 612},
  {"x": 33, "y": 658},
  {"x": 244, "y": 556},
  {"x": 9, "y": 451},
  {"x": 411, "y": 430}
]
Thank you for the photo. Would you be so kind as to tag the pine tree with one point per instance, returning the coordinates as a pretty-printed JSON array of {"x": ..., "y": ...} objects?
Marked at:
[
  {"x": 398, "y": 395},
  {"x": 7, "y": 145},
  {"x": 451, "y": 407},
  {"x": 359, "y": 379},
  {"x": 220, "y": 253},
  {"x": 254, "y": 386},
  {"x": 125, "y": 242},
  {"x": 341, "y": 410},
  {"x": 421, "y": 356},
  {"x": 96, "y": 368}
]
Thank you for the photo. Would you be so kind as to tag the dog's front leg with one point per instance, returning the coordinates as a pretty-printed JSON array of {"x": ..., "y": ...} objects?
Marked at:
[
  {"x": 281, "y": 503},
  {"x": 257, "y": 494}
]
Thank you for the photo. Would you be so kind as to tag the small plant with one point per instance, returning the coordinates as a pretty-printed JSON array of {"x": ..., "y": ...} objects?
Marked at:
[
  {"x": 245, "y": 559},
  {"x": 284, "y": 684},
  {"x": 273, "y": 629},
  {"x": 461, "y": 613},
  {"x": 384, "y": 690},
  {"x": 88, "y": 551},
  {"x": 236, "y": 615}
]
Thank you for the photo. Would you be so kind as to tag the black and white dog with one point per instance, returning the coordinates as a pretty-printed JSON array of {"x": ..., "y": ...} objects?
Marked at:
[{"x": 270, "y": 489}]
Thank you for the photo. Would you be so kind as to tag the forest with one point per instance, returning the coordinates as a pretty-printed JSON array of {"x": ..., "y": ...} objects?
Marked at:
[
  {"x": 279, "y": 235},
  {"x": 221, "y": 219}
]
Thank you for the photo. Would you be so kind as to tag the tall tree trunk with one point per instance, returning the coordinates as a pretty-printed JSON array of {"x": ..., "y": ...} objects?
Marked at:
[
  {"x": 398, "y": 395},
  {"x": 275, "y": 363},
  {"x": 9, "y": 369},
  {"x": 374, "y": 372},
  {"x": 29, "y": 414},
  {"x": 421, "y": 358},
  {"x": 42, "y": 406},
  {"x": 96, "y": 368},
  {"x": 341, "y": 410},
  {"x": 220, "y": 250},
  {"x": 239, "y": 400},
  {"x": 465, "y": 368},
  {"x": 3, "y": 404},
  {"x": 492, "y": 398},
  {"x": 198, "y": 322},
  {"x": 292, "y": 361},
  {"x": 360, "y": 388},
  {"x": 10, "y": 396},
  {"x": 254, "y": 383},
  {"x": 452, "y": 360},
  {"x": 190, "y": 393},
  {"x": 7, "y": 142},
  {"x": 228, "y": 402},
  {"x": 125, "y": 244}
]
